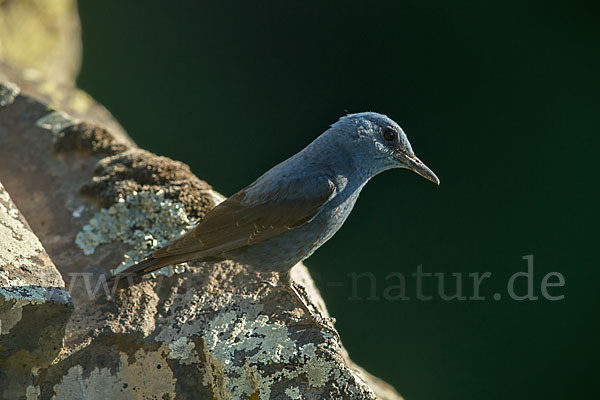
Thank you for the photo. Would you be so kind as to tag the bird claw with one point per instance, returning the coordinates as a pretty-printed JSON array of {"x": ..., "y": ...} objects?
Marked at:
[
  {"x": 324, "y": 324},
  {"x": 273, "y": 285},
  {"x": 316, "y": 320},
  {"x": 263, "y": 281}
]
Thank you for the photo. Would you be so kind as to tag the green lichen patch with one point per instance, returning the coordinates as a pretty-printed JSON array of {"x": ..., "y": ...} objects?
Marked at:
[
  {"x": 183, "y": 350},
  {"x": 145, "y": 221},
  {"x": 8, "y": 92},
  {"x": 140, "y": 379},
  {"x": 258, "y": 356},
  {"x": 56, "y": 121},
  {"x": 293, "y": 393},
  {"x": 32, "y": 392}
]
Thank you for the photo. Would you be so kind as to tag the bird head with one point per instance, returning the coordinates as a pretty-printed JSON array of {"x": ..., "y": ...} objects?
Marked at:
[{"x": 379, "y": 138}]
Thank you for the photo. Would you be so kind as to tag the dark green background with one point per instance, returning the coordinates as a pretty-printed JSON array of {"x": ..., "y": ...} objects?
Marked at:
[{"x": 500, "y": 98}]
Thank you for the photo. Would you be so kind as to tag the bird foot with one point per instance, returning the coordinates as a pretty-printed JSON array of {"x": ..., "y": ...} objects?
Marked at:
[
  {"x": 273, "y": 285},
  {"x": 263, "y": 281},
  {"x": 316, "y": 320},
  {"x": 313, "y": 318},
  {"x": 322, "y": 323}
]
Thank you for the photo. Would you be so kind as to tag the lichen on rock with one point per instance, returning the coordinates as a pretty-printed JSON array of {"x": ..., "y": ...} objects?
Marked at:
[
  {"x": 55, "y": 121},
  {"x": 146, "y": 377},
  {"x": 8, "y": 92},
  {"x": 254, "y": 353},
  {"x": 145, "y": 221}
]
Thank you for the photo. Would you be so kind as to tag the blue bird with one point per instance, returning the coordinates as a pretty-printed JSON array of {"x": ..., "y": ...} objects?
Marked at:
[{"x": 291, "y": 210}]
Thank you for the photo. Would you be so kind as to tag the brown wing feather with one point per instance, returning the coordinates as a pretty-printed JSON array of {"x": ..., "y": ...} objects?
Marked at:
[{"x": 235, "y": 222}]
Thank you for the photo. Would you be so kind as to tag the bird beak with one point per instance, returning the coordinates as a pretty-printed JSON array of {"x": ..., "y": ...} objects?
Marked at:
[{"x": 416, "y": 165}]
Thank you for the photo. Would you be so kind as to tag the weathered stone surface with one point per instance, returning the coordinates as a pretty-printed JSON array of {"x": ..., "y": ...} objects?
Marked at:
[
  {"x": 34, "y": 305},
  {"x": 97, "y": 202},
  {"x": 213, "y": 331}
]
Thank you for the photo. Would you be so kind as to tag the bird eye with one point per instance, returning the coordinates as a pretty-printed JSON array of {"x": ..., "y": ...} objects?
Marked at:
[{"x": 389, "y": 134}]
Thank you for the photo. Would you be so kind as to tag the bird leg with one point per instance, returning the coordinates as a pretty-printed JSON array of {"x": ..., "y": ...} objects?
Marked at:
[{"x": 286, "y": 281}]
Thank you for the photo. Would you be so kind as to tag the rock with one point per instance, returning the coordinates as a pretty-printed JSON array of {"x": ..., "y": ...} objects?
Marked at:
[
  {"x": 213, "y": 331},
  {"x": 34, "y": 305},
  {"x": 97, "y": 202}
]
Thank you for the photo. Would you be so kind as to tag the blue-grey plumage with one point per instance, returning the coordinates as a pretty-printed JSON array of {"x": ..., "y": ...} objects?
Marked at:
[{"x": 296, "y": 206}]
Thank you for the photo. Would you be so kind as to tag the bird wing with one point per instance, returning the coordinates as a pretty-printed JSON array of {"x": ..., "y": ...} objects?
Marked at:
[{"x": 253, "y": 215}]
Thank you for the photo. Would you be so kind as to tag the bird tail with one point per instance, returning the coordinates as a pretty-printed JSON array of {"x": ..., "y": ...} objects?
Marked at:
[{"x": 134, "y": 273}]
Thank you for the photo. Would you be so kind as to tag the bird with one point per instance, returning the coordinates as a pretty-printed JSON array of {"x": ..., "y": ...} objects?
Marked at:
[{"x": 291, "y": 210}]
